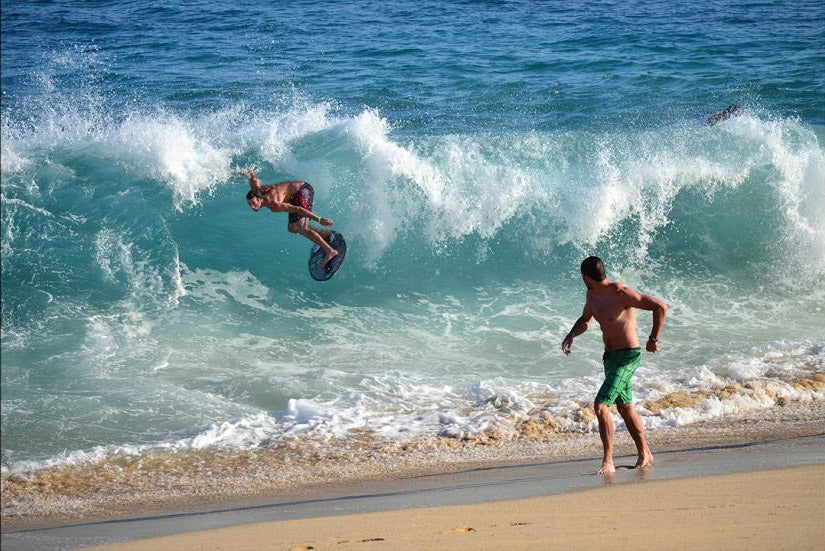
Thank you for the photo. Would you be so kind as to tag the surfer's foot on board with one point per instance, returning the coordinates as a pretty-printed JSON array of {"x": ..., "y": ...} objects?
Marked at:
[{"x": 332, "y": 254}]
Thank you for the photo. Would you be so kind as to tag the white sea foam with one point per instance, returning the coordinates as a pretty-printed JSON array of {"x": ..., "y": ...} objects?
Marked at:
[
  {"x": 21, "y": 203},
  {"x": 168, "y": 148},
  {"x": 243, "y": 434},
  {"x": 800, "y": 160},
  {"x": 412, "y": 407},
  {"x": 11, "y": 161},
  {"x": 277, "y": 132},
  {"x": 212, "y": 286}
]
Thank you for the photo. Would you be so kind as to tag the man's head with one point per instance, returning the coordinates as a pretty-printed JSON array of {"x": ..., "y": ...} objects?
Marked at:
[
  {"x": 592, "y": 271},
  {"x": 255, "y": 199}
]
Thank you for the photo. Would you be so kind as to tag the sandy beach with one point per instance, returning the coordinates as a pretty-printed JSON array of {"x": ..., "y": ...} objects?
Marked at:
[
  {"x": 778, "y": 509},
  {"x": 770, "y": 493}
]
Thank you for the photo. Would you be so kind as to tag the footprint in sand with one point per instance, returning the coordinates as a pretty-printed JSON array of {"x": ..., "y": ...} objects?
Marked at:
[
  {"x": 509, "y": 524},
  {"x": 361, "y": 541},
  {"x": 459, "y": 530},
  {"x": 301, "y": 548}
]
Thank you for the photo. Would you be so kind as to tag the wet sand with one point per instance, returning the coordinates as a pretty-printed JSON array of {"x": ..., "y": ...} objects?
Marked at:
[{"x": 777, "y": 509}]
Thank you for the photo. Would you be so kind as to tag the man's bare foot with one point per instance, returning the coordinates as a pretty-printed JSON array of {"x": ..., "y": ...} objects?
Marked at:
[
  {"x": 645, "y": 460},
  {"x": 607, "y": 468},
  {"x": 329, "y": 257}
]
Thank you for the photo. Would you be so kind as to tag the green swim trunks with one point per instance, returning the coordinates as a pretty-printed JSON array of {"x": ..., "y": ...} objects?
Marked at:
[{"x": 619, "y": 366}]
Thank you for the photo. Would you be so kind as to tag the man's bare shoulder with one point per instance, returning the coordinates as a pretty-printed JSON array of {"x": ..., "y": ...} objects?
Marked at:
[
  {"x": 623, "y": 291},
  {"x": 285, "y": 184},
  {"x": 281, "y": 192},
  {"x": 618, "y": 287}
]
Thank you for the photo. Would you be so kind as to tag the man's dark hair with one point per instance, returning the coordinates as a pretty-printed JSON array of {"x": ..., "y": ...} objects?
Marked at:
[
  {"x": 593, "y": 267},
  {"x": 253, "y": 193}
]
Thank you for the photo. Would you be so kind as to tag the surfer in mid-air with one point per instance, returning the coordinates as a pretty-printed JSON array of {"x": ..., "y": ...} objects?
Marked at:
[{"x": 294, "y": 197}]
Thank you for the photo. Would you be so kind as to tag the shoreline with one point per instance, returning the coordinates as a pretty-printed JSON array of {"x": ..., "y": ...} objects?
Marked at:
[
  {"x": 194, "y": 490},
  {"x": 786, "y": 437},
  {"x": 499, "y": 489},
  {"x": 768, "y": 509}
]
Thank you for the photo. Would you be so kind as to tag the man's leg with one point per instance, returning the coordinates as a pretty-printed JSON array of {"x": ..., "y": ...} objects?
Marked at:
[
  {"x": 637, "y": 431},
  {"x": 606, "y": 434},
  {"x": 302, "y": 227},
  {"x": 320, "y": 231}
]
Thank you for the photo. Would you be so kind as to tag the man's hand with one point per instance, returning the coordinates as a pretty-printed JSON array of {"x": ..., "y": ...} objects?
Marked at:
[
  {"x": 326, "y": 222},
  {"x": 652, "y": 345},
  {"x": 566, "y": 344},
  {"x": 254, "y": 183}
]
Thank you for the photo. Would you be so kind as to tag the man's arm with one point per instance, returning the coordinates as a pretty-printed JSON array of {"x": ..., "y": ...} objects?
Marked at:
[
  {"x": 254, "y": 183},
  {"x": 579, "y": 327},
  {"x": 650, "y": 303},
  {"x": 301, "y": 211}
]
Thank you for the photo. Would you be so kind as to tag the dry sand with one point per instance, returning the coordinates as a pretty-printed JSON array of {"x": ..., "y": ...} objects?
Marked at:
[{"x": 779, "y": 509}]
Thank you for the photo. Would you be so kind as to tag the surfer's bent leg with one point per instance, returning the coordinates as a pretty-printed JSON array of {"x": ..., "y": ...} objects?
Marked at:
[
  {"x": 302, "y": 227},
  {"x": 303, "y": 198},
  {"x": 298, "y": 224}
]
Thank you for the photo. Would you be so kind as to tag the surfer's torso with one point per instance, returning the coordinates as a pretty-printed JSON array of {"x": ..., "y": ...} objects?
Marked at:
[{"x": 276, "y": 195}]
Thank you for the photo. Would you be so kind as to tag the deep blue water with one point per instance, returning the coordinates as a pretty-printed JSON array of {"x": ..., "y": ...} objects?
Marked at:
[{"x": 472, "y": 153}]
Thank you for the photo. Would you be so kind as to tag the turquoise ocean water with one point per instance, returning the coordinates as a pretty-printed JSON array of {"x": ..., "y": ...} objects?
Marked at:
[{"x": 473, "y": 153}]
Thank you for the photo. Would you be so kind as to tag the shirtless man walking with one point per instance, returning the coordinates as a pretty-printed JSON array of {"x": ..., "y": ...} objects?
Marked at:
[
  {"x": 295, "y": 198},
  {"x": 614, "y": 307}
]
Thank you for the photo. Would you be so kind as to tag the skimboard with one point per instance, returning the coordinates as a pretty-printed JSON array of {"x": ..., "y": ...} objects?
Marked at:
[{"x": 323, "y": 273}]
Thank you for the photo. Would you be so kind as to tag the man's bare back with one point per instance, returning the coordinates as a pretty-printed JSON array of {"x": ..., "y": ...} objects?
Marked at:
[
  {"x": 611, "y": 307},
  {"x": 281, "y": 194},
  {"x": 614, "y": 306}
]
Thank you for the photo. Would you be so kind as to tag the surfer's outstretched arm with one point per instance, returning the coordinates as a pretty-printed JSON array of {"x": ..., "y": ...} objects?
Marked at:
[{"x": 254, "y": 183}]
